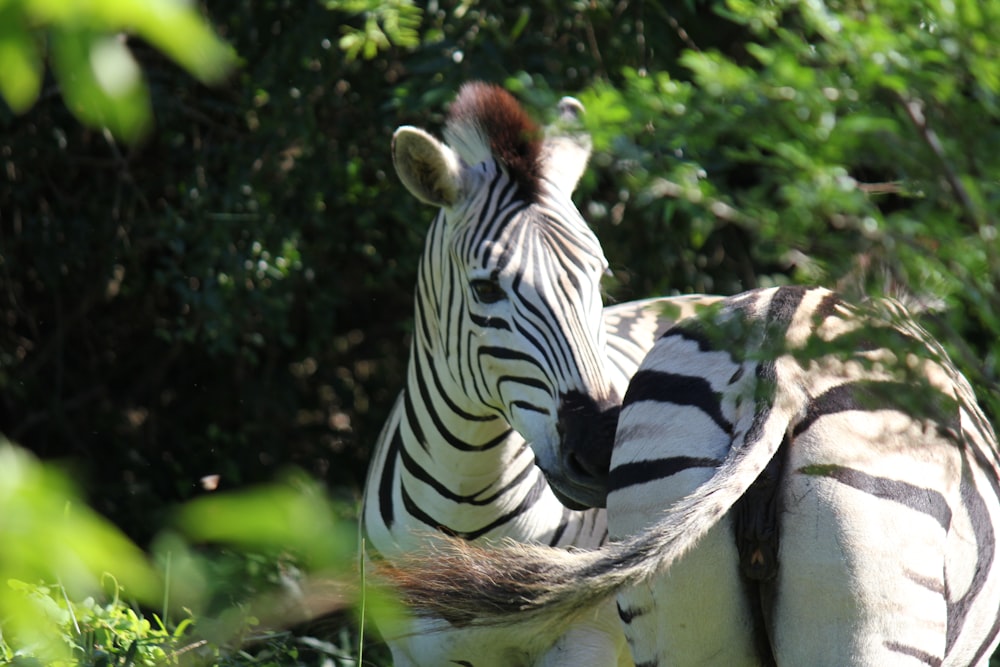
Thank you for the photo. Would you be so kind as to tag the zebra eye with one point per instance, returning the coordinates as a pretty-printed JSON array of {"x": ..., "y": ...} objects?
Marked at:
[{"x": 487, "y": 290}]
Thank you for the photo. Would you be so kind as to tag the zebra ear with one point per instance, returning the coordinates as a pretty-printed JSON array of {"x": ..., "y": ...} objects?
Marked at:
[
  {"x": 431, "y": 171},
  {"x": 567, "y": 148}
]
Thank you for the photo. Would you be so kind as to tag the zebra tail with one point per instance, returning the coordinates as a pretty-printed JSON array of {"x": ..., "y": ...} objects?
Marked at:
[{"x": 509, "y": 583}]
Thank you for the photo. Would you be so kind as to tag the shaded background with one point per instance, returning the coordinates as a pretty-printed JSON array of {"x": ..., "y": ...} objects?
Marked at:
[{"x": 233, "y": 294}]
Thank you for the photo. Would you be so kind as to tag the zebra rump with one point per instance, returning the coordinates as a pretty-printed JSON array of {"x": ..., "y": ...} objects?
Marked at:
[{"x": 787, "y": 370}]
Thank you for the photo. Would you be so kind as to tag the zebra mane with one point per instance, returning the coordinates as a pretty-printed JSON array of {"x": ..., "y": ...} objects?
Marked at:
[{"x": 485, "y": 121}]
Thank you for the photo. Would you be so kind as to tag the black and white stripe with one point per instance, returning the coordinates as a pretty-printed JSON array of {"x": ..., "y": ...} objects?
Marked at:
[
  {"x": 500, "y": 337},
  {"x": 795, "y": 481}
]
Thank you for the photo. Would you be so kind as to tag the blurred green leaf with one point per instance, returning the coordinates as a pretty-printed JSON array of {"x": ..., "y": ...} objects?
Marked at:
[
  {"x": 294, "y": 514},
  {"x": 101, "y": 82},
  {"x": 20, "y": 61},
  {"x": 99, "y": 78}
]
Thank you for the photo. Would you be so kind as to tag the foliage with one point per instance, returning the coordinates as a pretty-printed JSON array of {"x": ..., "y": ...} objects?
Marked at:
[
  {"x": 115, "y": 633},
  {"x": 97, "y": 74},
  {"x": 94, "y": 633},
  {"x": 385, "y": 23},
  {"x": 49, "y": 535},
  {"x": 839, "y": 142},
  {"x": 227, "y": 590}
]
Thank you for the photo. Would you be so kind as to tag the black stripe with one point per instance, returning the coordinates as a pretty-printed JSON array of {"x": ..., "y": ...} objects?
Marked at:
[
  {"x": 442, "y": 430},
  {"x": 492, "y": 443},
  {"x": 871, "y": 395},
  {"x": 412, "y": 420},
  {"x": 643, "y": 472},
  {"x": 628, "y": 614},
  {"x": 561, "y": 528},
  {"x": 781, "y": 310},
  {"x": 765, "y": 388},
  {"x": 500, "y": 208},
  {"x": 510, "y": 486},
  {"x": 549, "y": 347},
  {"x": 489, "y": 322},
  {"x": 524, "y": 405},
  {"x": 385, "y": 505},
  {"x": 692, "y": 331},
  {"x": 522, "y": 380},
  {"x": 914, "y": 652},
  {"x": 506, "y": 354},
  {"x": 422, "y": 475},
  {"x": 982, "y": 526},
  {"x": 421, "y": 316},
  {"x": 785, "y": 303},
  {"x": 842, "y": 398},
  {"x": 926, "y": 501},
  {"x": 526, "y": 504},
  {"x": 663, "y": 387},
  {"x": 417, "y": 513},
  {"x": 827, "y": 307},
  {"x": 439, "y": 388}
]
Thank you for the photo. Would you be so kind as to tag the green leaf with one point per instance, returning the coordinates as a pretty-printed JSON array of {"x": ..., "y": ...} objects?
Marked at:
[
  {"x": 295, "y": 515},
  {"x": 101, "y": 82},
  {"x": 20, "y": 61},
  {"x": 176, "y": 28},
  {"x": 179, "y": 31}
]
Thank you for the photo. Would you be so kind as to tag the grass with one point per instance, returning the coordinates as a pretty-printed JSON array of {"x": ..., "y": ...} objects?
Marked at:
[{"x": 116, "y": 632}]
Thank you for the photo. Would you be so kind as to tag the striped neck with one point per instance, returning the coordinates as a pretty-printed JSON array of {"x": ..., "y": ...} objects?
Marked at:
[{"x": 443, "y": 431}]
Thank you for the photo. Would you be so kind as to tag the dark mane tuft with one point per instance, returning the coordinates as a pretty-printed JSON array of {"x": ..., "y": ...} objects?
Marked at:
[{"x": 490, "y": 115}]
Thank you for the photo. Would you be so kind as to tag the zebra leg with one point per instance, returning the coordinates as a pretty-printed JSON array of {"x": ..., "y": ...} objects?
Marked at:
[{"x": 862, "y": 553}]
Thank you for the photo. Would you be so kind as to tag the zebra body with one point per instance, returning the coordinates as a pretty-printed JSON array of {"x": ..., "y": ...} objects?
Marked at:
[
  {"x": 794, "y": 481},
  {"x": 411, "y": 491},
  {"x": 509, "y": 334}
]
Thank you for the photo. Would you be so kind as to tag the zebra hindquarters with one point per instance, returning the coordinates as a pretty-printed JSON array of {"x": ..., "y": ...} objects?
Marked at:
[
  {"x": 698, "y": 612},
  {"x": 865, "y": 513},
  {"x": 595, "y": 639}
]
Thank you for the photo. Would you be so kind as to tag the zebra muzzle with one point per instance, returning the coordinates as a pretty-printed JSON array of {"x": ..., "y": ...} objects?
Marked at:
[{"x": 587, "y": 433}]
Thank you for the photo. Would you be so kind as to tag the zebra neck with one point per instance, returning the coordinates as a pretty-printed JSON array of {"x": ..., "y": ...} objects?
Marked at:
[{"x": 450, "y": 438}]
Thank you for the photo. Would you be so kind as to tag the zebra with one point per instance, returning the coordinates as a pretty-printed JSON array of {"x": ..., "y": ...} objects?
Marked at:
[
  {"x": 509, "y": 336},
  {"x": 795, "y": 480}
]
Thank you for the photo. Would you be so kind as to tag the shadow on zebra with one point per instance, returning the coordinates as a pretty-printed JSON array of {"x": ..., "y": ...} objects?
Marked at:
[
  {"x": 794, "y": 481},
  {"x": 510, "y": 343}
]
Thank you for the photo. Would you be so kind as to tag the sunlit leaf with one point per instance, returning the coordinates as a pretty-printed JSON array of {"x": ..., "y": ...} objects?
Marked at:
[
  {"x": 101, "y": 83},
  {"x": 294, "y": 515},
  {"x": 20, "y": 62}
]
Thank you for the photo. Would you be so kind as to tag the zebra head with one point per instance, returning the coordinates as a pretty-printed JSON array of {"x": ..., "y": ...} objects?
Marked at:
[{"x": 508, "y": 301}]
